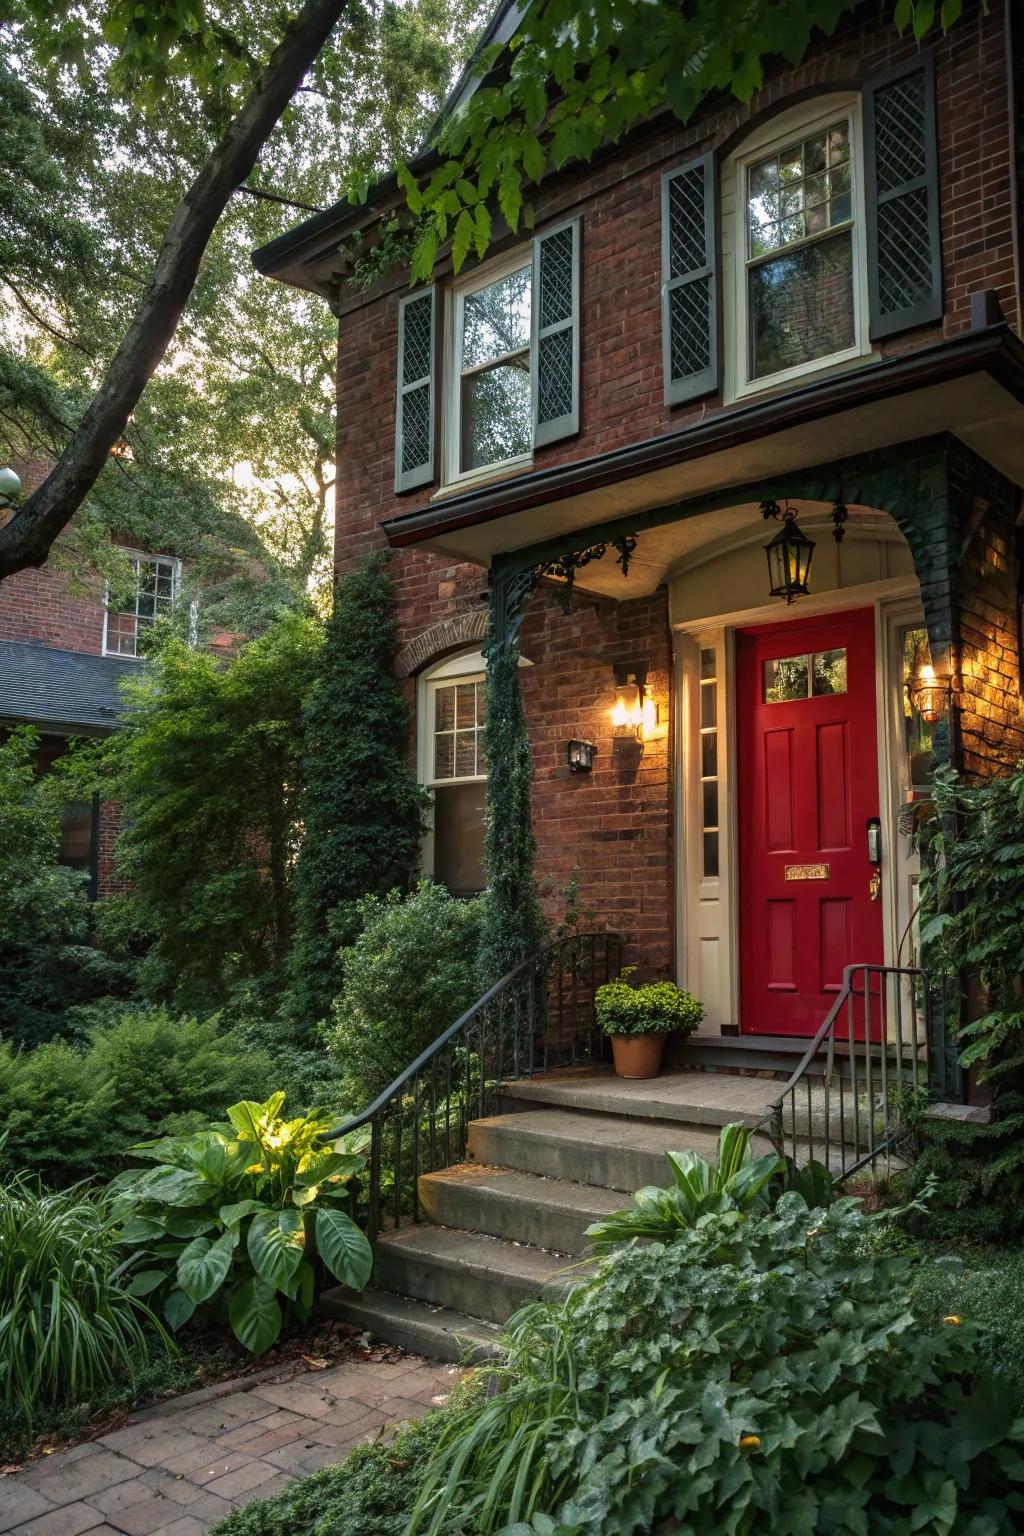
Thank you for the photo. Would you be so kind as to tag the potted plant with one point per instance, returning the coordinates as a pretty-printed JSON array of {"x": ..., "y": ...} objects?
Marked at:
[{"x": 637, "y": 1019}]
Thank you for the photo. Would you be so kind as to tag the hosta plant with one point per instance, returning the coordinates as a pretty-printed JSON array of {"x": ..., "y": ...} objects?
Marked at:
[
  {"x": 735, "y": 1181},
  {"x": 234, "y": 1219}
]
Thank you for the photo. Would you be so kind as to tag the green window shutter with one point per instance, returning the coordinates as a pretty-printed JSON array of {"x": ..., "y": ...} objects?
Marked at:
[
  {"x": 414, "y": 414},
  {"x": 555, "y": 334},
  {"x": 689, "y": 280},
  {"x": 902, "y": 185}
]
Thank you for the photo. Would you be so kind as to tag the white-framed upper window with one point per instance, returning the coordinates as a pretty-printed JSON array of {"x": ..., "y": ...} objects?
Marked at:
[
  {"x": 157, "y": 580},
  {"x": 797, "y": 212},
  {"x": 489, "y": 405}
]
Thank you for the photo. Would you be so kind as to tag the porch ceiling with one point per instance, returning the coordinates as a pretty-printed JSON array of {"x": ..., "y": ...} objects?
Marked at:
[{"x": 971, "y": 386}]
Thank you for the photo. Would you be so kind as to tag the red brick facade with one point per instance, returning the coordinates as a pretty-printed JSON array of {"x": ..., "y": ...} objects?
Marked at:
[{"x": 616, "y": 824}]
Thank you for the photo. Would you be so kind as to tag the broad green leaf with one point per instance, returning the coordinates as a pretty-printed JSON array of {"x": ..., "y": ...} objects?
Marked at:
[
  {"x": 276, "y": 1242},
  {"x": 245, "y": 1117},
  {"x": 203, "y": 1267},
  {"x": 145, "y": 1282},
  {"x": 231, "y": 1215},
  {"x": 139, "y": 1228},
  {"x": 343, "y": 1248},
  {"x": 254, "y": 1315},
  {"x": 185, "y": 1224},
  {"x": 178, "y": 1308}
]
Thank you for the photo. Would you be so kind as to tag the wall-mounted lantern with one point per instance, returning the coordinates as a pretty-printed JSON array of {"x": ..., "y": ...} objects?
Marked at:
[
  {"x": 634, "y": 714},
  {"x": 580, "y": 756},
  {"x": 930, "y": 692},
  {"x": 789, "y": 554}
]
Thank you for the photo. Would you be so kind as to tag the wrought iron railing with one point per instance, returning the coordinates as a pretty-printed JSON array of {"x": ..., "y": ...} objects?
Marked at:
[
  {"x": 538, "y": 1017},
  {"x": 849, "y": 1099}
]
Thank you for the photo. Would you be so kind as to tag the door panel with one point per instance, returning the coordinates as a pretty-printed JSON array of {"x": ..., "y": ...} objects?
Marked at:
[{"x": 807, "y": 757}]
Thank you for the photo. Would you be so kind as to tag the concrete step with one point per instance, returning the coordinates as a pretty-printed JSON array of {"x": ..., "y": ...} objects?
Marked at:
[
  {"x": 549, "y": 1213},
  {"x": 608, "y": 1151},
  {"x": 482, "y": 1276},
  {"x": 690, "y": 1099},
  {"x": 439, "y": 1333}
]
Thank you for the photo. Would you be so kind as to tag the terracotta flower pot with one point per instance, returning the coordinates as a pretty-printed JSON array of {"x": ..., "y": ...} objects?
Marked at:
[{"x": 638, "y": 1055}]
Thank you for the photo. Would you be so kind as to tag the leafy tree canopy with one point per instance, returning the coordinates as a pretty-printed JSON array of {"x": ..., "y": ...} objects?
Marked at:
[
  {"x": 107, "y": 112},
  {"x": 578, "y": 76}
]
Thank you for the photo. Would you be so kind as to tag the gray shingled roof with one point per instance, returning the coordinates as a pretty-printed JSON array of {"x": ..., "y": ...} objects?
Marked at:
[{"x": 60, "y": 688}]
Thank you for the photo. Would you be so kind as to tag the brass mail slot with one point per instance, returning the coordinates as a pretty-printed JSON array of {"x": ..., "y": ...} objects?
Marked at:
[{"x": 806, "y": 871}]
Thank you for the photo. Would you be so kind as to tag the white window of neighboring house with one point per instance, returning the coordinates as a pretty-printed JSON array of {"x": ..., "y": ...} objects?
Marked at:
[
  {"x": 489, "y": 417},
  {"x": 453, "y": 768},
  {"x": 158, "y": 578},
  {"x": 795, "y": 206}
]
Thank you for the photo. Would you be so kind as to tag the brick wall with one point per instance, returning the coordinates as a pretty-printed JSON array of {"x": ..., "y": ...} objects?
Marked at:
[
  {"x": 991, "y": 719},
  {"x": 615, "y": 824},
  {"x": 39, "y": 604}
]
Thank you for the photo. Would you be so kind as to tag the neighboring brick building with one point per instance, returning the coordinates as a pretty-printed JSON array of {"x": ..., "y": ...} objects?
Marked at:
[
  {"x": 810, "y": 302},
  {"x": 63, "y": 657}
]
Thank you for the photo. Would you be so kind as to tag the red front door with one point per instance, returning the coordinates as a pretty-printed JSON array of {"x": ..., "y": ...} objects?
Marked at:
[{"x": 808, "y": 784}]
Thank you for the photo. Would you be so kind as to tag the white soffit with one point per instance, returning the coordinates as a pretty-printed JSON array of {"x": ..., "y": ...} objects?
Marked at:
[{"x": 974, "y": 408}]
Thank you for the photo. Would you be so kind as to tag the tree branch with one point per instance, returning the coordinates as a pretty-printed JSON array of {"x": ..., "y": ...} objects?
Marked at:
[
  {"x": 26, "y": 539},
  {"x": 272, "y": 197},
  {"x": 56, "y": 333}
]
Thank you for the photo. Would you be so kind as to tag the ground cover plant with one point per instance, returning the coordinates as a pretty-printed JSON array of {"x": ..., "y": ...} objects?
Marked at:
[
  {"x": 232, "y": 1220},
  {"x": 371, "y": 1494},
  {"x": 761, "y": 1372},
  {"x": 67, "y": 1323}
]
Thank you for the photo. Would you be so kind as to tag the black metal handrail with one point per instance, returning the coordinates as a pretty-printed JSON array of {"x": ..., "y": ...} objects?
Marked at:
[
  {"x": 857, "y": 1112},
  {"x": 538, "y": 1017}
]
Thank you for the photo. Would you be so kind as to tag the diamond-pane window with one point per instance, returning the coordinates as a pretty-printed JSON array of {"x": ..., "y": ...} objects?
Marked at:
[
  {"x": 414, "y": 425},
  {"x": 416, "y": 357},
  {"x": 156, "y": 587},
  {"x": 905, "y": 275},
  {"x": 556, "y": 274},
  {"x": 555, "y": 375},
  {"x": 688, "y": 235}
]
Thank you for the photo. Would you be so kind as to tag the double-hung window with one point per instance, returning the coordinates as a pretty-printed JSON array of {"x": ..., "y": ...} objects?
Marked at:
[
  {"x": 157, "y": 578},
  {"x": 799, "y": 253},
  {"x": 454, "y": 770},
  {"x": 511, "y": 364},
  {"x": 491, "y": 413}
]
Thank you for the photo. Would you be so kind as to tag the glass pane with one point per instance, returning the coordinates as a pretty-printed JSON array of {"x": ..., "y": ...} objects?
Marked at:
[
  {"x": 707, "y": 663},
  {"x": 785, "y": 679},
  {"x": 147, "y": 605},
  {"x": 76, "y": 835},
  {"x": 465, "y": 704},
  {"x": 815, "y": 151},
  {"x": 496, "y": 319},
  {"x": 709, "y": 806},
  {"x": 709, "y": 755},
  {"x": 444, "y": 757},
  {"x": 917, "y": 732},
  {"x": 838, "y": 143},
  {"x": 497, "y": 416},
  {"x": 711, "y": 855},
  {"x": 465, "y": 754},
  {"x": 801, "y": 306},
  {"x": 481, "y": 695},
  {"x": 459, "y": 838},
  {"x": 828, "y": 672},
  {"x": 444, "y": 709},
  {"x": 709, "y": 704}
]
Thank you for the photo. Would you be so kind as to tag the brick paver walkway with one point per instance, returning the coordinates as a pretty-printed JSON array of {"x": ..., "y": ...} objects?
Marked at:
[{"x": 178, "y": 1468}]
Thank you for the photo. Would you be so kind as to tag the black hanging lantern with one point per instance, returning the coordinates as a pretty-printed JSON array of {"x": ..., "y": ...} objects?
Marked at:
[{"x": 789, "y": 554}]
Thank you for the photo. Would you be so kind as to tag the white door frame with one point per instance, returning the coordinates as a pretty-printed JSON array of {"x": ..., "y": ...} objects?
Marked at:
[{"x": 707, "y": 928}]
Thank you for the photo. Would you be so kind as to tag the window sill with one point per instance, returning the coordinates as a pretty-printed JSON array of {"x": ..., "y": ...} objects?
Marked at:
[
  {"x": 478, "y": 477},
  {"x": 795, "y": 377}
]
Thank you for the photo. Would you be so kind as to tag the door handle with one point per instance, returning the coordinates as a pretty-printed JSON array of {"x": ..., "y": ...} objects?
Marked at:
[{"x": 875, "y": 884}]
